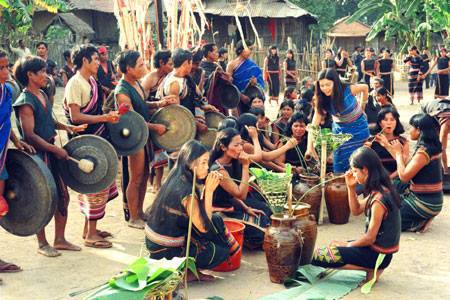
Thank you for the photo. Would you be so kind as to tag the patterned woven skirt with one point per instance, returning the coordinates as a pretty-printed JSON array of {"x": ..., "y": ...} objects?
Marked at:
[{"x": 417, "y": 211}]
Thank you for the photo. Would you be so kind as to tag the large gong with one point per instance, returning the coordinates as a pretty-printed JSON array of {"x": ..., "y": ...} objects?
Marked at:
[
  {"x": 229, "y": 96},
  {"x": 213, "y": 119},
  {"x": 97, "y": 150},
  {"x": 129, "y": 135},
  {"x": 180, "y": 124},
  {"x": 31, "y": 194}
]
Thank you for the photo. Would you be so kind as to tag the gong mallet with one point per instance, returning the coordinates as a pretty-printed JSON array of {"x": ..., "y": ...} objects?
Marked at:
[{"x": 84, "y": 165}]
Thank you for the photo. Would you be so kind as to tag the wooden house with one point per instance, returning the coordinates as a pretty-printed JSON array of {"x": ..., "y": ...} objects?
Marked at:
[{"x": 274, "y": 20}]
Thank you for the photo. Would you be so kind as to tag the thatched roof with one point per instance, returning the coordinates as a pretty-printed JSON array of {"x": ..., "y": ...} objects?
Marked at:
[
  {"x": 106, "y": 6},
  {"x": 260, "y": 8},
  {"x": 354, "y": 29},
  {"x": 76, "y": 24}
]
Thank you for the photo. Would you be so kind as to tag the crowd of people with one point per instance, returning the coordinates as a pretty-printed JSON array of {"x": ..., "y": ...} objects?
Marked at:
[{"x": 396, "y": 191}]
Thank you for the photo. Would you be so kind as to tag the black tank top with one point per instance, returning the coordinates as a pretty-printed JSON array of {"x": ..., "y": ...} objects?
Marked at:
[
  {"x": 389, "y": 163},
  {"x": 222, "y": 198},
  {"x": 385, "y": 65}
]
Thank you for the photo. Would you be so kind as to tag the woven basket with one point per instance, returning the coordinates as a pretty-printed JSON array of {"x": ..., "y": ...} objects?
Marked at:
[{"x": 275, "y": 191}]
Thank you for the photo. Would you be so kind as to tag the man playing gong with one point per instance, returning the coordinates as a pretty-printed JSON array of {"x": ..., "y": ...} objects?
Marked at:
[
  {"x": 6, "y": 134},
  {"x": 130, "y": 92},
  {"x": 83, "y": 101},
  {"x": 38, "y": 128}
]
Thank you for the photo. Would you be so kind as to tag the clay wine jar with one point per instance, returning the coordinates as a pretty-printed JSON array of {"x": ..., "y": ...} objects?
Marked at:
[
  {"x": 336, "y": 197},
  {"x": 283, "y": 247},
  {"x": 314, "y": 197},
  {"x": 307, "y": 225}
]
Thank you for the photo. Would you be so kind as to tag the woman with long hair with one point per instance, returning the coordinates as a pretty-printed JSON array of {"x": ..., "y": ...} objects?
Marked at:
[
  {"x": 389, "y": 125},
  {"x": 233, "y": 197},
  {"x": 338, "y": 99},
  {"x": 442, "y": 78},
  {"x": 272, "y": 71},
  {"x": 343, "y": 62},
  {"x": 167, "y": 224},
  {"x": 415, "y": 80},
  {"x": 423, "y": 200},
  {"x": 290, "y": 67},
  {"x": 382, "y": 209}
]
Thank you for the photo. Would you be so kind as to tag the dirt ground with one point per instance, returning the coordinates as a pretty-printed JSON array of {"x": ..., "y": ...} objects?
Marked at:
[{"x": 421, "y": 270}]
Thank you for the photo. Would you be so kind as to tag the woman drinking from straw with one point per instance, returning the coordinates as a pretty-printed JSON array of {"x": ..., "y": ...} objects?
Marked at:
[
  {"x": 338, "y": 99},
  {"x": 233, "y": 197},
  {"x": 382, "y": 210},
  {"x": 423, "y": 201},
  {"x": 168, "y": 218}
]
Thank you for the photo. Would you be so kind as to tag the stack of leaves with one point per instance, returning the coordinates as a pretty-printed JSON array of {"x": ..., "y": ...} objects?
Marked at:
[
  {"x": 145, "y": 279},
  {"x": 274, "y": 186},
  {"x": 334, "y": 140}
]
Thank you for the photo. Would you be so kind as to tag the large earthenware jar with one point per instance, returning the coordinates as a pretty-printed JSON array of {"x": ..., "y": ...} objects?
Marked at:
[
  {"x": 336, "y": 197},
  {"x": 283, "y": 247},
  {"x": 306, "y": 223},
  {"x": 313, "y": 197}
]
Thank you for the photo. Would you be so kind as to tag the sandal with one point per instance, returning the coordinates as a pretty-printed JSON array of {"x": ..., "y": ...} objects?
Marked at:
[
  {"x": 6, "y": 267},
  {"x": 101, "y": 244}
]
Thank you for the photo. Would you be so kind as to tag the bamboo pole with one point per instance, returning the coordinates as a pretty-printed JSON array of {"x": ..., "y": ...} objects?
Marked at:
[{"x": 323, "y": 170}]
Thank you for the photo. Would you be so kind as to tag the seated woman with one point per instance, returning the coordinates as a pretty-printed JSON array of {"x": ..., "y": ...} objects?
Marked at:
[
  {"x": 233, "y": 197},
  {"x": 423, "y": 200},
  {"x": 296, "y": 128},
  {"x": 389, "y": 125},
  {"x": 168, "y": 218},
  {"x": 257, "y": 103},
  {"x": 382, "y": 210},
  {"x": 291, "y": 93},
  {"x": 279, "y": 126},
  {"x": 270, "y": 153}
]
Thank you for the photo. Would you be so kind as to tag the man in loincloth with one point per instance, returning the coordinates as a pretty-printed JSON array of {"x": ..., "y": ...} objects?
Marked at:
[
  {"x": 129, "y": 91},
  {"x": 35, "y": 121},
  {"x": 83, "y": 102},
  {"x": 7, "y": 134}
]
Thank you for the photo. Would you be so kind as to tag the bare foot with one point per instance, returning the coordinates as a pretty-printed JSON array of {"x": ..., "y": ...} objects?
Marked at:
[
  {"x": 48, "y": 251},
  {"x": 138, "y": 224},
  {"x": 65, "y": 245},
  {"x": 426, "y": 226}
]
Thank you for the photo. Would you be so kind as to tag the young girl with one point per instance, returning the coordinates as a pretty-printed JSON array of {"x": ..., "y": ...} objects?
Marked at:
[
  {"x": 290, "y": 68},
  {"x": 415, "y": 80},
  {"x": 329, "y": 61},
  {"x": 279, "y": 126},
  {"x": 389, "y": 124},
  {"x": 168, "y": 218},
  {"x": 423, "y": 201},
  {"x": 273, "y": 71},
  {"x": 343, "y": 62},
  {"x": 382, "y": 210}
]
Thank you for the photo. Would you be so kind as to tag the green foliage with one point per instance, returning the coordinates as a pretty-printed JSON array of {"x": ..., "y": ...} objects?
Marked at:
[
  {"x": 16, "y": 15},
  {"x": 57, "y": 32},
  {"x": 408, "y": 21}
]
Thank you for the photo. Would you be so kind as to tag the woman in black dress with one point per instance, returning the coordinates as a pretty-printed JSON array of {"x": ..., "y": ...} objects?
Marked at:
[
  {"x": 443, "y": 68},
  {"x": 290, "y": 67},
  {"x": 415, "y": 76},
  {"x": 273, "y": 70},
  {"x": 368, "y": 66},
  {"x": 343, "y": 62},
  {"x": 385, "y": 68},
  {"x": 329, "y": 61}
]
